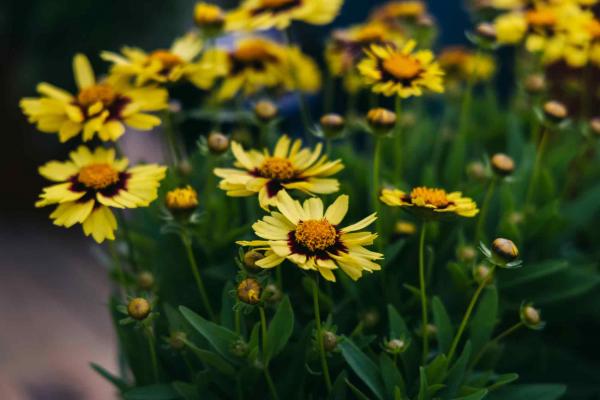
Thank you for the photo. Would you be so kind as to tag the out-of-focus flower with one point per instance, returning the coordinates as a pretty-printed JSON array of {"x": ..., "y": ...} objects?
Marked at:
[
  {"x": 182, "y": 199},
  {"x": 333, "y": 125},
  {"x": 510, "y": 28},
  {"x": 104, "y": 108},
  {"x": 249, "y": 291},
  {"x": 461, "y": 64},
  {"x": 502, "y": 164},
  {"x": 288, "y": 167},
  {"x": 267, "y": 14},
  {"x": 381, "y": 121},
  {"x": 555, "y": 110},
  {"x": 210, "y": 18},
  {"x": 90, "y": 183},
  {"x": 265, "y": 110},
  {"x": 401, "y": 72},
  {"x": 405, "y": 228},
  {"x": 255, "y": 64},
  {"x": 398, "y": 13},
  {"x": 430, "y": 203},
  {"x": 311, "y": 238}
]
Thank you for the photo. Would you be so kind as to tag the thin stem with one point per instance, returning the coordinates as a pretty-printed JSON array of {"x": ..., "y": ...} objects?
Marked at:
[
  {"x": 187, "y": 243},
  {"x": 126, "y": 235},
  {"x": 238, "y": 326},
  {"x": 398, "y": 142},
  {"x": 377, "y": 186},
  {"x": 263, "y": 325},
  {"x": 174, "y": 154},
  {"x": 467, "y": 316},
  {"x": 324, "y": 365},
  {"x": 536, "y": 167},
  {"x": 480, "y": 232},
  {"x": 150, "y": 338},
  {"x": 424, "y": 319},
  {"x": 501, "y": 336},
  {"x": 118, "y": 266}
]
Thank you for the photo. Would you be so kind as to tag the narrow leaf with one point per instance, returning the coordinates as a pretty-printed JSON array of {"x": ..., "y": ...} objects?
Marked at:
[
  {"x": 484, "y": 319},
  {"x": 445, "y": 332},
  {"x": 280, "y": 329},
  {"x": 363, "y": 366}
]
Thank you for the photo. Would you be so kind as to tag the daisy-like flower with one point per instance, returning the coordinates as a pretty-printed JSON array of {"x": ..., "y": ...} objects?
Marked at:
[
  {"x": 430, "y": 203},
  {"x": 160, "y": 66},
  {"x": 255, "y": 64},
  {"x": 313, "y": 240},
  {"x": 101, "y": 107},
  {"x": 267, "y": 14},
  {"x": 92, "y": 182},
  {"x": 394, "y": 72},
  {"x": 461, "y": 64},
  {"x": 289, "y": 167}
]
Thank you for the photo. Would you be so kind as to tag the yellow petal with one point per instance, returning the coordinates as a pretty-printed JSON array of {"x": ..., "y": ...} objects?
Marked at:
[
  {"x": 337, "y": 211},
  {"x": 84, "y": 74}
]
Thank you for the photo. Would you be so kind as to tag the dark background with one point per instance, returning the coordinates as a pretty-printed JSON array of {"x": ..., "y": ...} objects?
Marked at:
[{"x": 53, "y": 320}]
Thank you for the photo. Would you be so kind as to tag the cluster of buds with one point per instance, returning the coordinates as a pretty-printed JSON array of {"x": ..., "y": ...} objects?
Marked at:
[{"x": 504, "y": 253}]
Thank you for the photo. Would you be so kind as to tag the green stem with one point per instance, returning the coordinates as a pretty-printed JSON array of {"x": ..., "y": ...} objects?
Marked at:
[
  {"x": 329, "y": 92},
  {"x": 126, "y": 234},
  {"x": 118, "y": 266},
  {"x": 238, "y": 325},
  {"x": 187, "y": 243},
  {"x": 424, "y": 319},
  {"x": 398, "y": 142},
  {"x": 174, "y": 154},
  {"x": 150, "y": 338},
  {"x": 377, "y": 186},
  {"x": 480, "y": 232},
  {"x": 263, "y": 325},
  {"x": 501, "y": 336},
  {"x": 467, "y": 316},
  {"x": 536, "y": 168},
  {"x": 317, "y": 312}
]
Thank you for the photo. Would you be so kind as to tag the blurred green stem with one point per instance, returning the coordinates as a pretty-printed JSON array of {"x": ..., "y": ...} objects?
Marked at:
[
  {"x": 536, "y": 168},
  {"x": 150, "y": 336},
  {"x": 489, "y": 194},
  {"x": 376, "y": 186},
  {"x": 112, "y": 249},
  {"x": 187, "y": 243},
  {"x": 322, "y": 354},
  {"x": 501, "y": 336},
  {"x": 263, "y": 324},
  {"x": 173, "y": 150},
  {"x": 398, "y": 145},
  {"x": 424, "y": 320},
  {"x": 467, "y": 316}
]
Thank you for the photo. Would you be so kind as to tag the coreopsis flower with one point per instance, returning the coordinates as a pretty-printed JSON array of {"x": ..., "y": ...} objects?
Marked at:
[
  {"x": 461, "y": 64},
  {"x": 160, "y": 66},
  {"x": 182, "y": 199},
  {"x": 400, "y": 72},
  {"x": 510, "y": 28},
  {"x": 103, "y": 107},
  {"x": 92, "y": 182},
  {"x": 311, "y": 238},
  {"x": 256, "y": 64},
  {"x": 267, "y": 14},
  {"x": 395, "y": 13},
  {"x": 288, "y": 167},
  {"x": 430, "y": 203},
  {"x": 210, "y": 18}
]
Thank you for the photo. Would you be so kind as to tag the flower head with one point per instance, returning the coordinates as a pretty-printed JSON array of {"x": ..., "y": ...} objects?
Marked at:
[
  {"x": 210, "y": 18},
  {"x": 160, "y": 66},
  {"x": 92, "y": 182},
  {"x": 182, "y": 199},
  {"x": 430, "y": 202},
  {"x": 139, "y": 308},
  {"x": 267, "y": 14},
  {"x": 462, "y": 64},
  {"x": 396, "y": 13},
  {"x": 104, "y": 108},
  {"x": 400, "y": 72},
  {"x": 311, "y": 238},
  {"x": 288, "y": 167},
  {"x": 249, "y": 291}
]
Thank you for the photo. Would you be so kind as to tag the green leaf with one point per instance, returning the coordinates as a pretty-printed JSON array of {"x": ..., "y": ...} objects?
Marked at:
[
  {"x": 362, "y": 366},
  {"x": 115, "y": 380},
  {"x": 437, "y": 369},
  {"x": 423, "y": 386},
  {"x": 392, "y": 251},
  {"x": 211, "y": 359},
  {"x": 359, "y": 395},
  {"x": 227, "y": 302},
  {"x": 220, "y": 338},
  {"x": 152, "y": 392},
  {"x": 280, "y": 329},
  {"x": 474, "y": 396},
  {"x": 457, "y": 372},
  {"x": 503, "y": 380},
  {"x": 445, "y": 332},
  {"x": 532, "y": 272},
  {"x": 484, "y": 319},
  {"x": 398, "y": 327},
  {"x": 529, "y": 392},
  {"x": 392, "y": 378},
  {"x": 186, "y": 390},
  {"x": 338, "y": 391}
]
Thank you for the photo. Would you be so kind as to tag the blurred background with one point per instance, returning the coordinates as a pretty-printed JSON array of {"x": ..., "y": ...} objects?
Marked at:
[{"x": 52, "y": 288}]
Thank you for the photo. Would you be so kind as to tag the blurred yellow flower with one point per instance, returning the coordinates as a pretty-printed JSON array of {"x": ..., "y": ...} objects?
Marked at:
[
  {"x": 267, "y": 14},
  {"x": 289, "y": 167},
  {"x": 395, "y": 11},
  {"x": 101, "y": 107},
  {"x": 93, "y": 181},
  {"x": 510, "y": 28},
  {"x": 400, "y": 72},
  {"x": 209, "y": 18},
  {"x": 430, "y": 202},
  {"x": 310, "y": 237},
  {"x": 462, "y": 64}
]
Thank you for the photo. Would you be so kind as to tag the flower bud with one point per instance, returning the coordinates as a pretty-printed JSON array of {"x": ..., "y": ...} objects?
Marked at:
[
  {"x": 370, "y": 318},
  {"x": 555, "y": 110},
  {"x": 239, "y": 348},
  {"x": 476, "y": 170},
  {"x": 405, "y": 228},
  {"x": 249, "y": 291},
  {"x": 182, "y": 199},
  {"x": 425, "y": 21},
  {"x": 250, "y": 259},
  {"x": 482, "y": 273},
  {"x": 505, "y": 249},
  {"x": 595, "y": 126},
  {"x": 265, "y": 110},
  {"x": 431, "y": 329},
  {"x": 175, "y": 106},
  {"x": 516, "y": 217},
  {"x": 329, "y": 341},
  {"x": 139, "y": 308},
  {"x": 466, "y": 253},
  {"x": 177, "y": 340},
  {"x": 272, "y": 293},
  {"x": 486, "y": 31},
  {"x": 381, "y": 121},
  {"x": 185, "y": 167},
  {"x": 502, "y": 164},
  {"x": 395, "y": 346},
  {"x": 145, "y": 280},
  {"x": 209, "y": 17},
  {"x": 217, "y": 143},
  {"x": 333, "y": 125},
  {"x": 531, "y": 317},
  {"x": 535, "y": 83}
]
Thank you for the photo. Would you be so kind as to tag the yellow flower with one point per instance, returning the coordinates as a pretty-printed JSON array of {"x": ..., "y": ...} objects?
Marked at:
[
  {"x": 289, "y": 167},
  {"x": 462, "y": 64},
  {"x": 160, "y": 66},
  {"x": 255, "y": 64},
  {"x": 430, "y": 203},
  {"x": 182, "y": 199},
  {"x": 508, "y": 4},
  {"x": 209, "y": 18},
  {"x": 267, "y": 14},
  {"x": 90, "y": 183},
  {"x": 401, "y": 72},
  {"x": 102, "y": 108},
  {"x": 393, "y": 11},
  {"x": 347, "y": 46},
  {"x": 510, "y": 28},
  {"x": 313, "y": 240}
]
